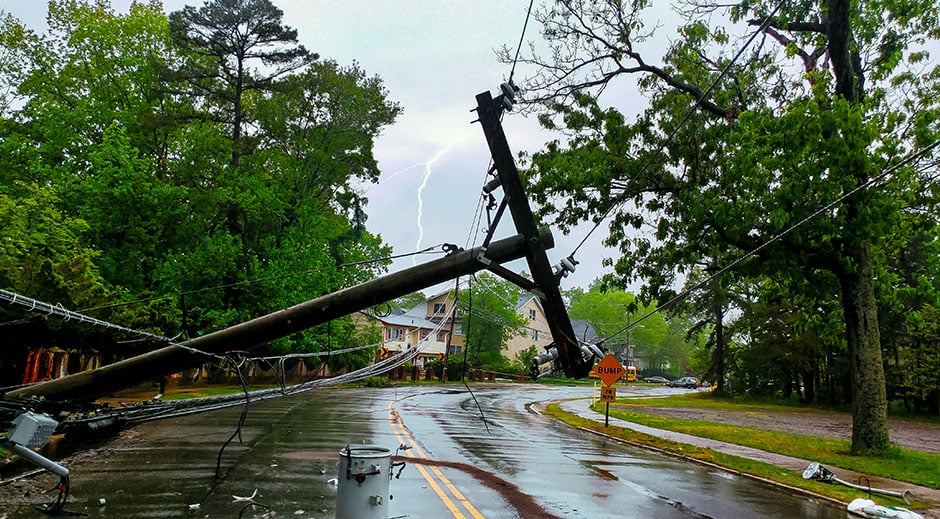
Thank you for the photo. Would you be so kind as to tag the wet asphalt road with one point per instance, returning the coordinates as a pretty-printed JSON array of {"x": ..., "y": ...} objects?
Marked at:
[{"x": 290, "y": 447}]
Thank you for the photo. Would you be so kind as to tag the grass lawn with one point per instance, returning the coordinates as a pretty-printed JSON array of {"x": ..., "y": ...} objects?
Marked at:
[
  {"x": 746, "y": 466},
  {"x": 901, "y": 464},
  {"x": 904, "y": 465}
]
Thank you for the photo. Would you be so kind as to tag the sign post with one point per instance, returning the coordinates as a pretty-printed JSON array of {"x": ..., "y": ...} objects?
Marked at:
[{"x": 609, "y": 370}]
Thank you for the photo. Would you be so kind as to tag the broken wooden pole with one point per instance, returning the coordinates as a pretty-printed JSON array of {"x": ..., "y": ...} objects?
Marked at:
[
  {"x": 171, "y": 359},
  {"x": 543, "y": 276}
]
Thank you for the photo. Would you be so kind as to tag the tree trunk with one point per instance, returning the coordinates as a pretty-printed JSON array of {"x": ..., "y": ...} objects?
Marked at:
[
  {"x": 869, "y": 402},
  {"x": 719, "y": 351},
  {"x": 810, "y": 379}
]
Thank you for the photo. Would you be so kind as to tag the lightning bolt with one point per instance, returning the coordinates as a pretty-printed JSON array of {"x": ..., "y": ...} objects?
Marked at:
[
  {"x": 428, "y": 170},
  {"x": 405, "y": 170}
]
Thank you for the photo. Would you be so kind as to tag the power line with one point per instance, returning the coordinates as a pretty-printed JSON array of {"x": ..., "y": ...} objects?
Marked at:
[
  {"x": 157, "y": 410},
  {"x": 34, "y": 305},
  {"x": 521, "y": 38},
  {"x": 872, "y": 182}
]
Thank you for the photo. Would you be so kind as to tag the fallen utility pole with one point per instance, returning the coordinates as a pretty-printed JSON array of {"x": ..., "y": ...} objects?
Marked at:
[
  {"x": 545, "y": 281},
  {"x": 171, "y": 359}
]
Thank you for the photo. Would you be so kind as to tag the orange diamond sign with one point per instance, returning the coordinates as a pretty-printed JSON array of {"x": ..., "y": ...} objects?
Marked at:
[{"x": 609, "y": 370}]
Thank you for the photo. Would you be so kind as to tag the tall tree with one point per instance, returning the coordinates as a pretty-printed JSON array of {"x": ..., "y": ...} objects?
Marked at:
[
  {"x": 140, "y": 175},
  {"x": 227, "y": 36},
  {"x": 732, "y": 153},
  {"x": 488, "y": 311},
  {"x": 613, "y": 314},
  {"x": 317, "y": 131}
]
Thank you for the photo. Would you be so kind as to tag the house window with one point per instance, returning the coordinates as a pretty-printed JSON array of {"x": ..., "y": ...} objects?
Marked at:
[
  {"x": 441, "y": 336},
  {"x": 454, "y": 350},
  {"x": 424, "y": 334},
  {"x": 395, "y": 334},
  {"x": 534, "y": 335},
  {"x": 532, "y": 314},
  {"x": 439, "y": 308}
]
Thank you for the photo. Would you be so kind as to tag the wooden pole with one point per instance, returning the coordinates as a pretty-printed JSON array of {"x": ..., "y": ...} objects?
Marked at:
[
  {"x": 171, "y": 359},
  {"x": 543, "y": 276}
]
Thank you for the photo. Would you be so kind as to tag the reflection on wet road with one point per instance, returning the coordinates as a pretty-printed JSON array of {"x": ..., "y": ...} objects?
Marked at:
[
  {"x": 486, "y": 455},
  {"x": 577, "y": 474}
]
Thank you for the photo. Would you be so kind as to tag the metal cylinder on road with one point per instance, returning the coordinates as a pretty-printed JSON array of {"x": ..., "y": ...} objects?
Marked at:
[{"x": 362, "y": 482}]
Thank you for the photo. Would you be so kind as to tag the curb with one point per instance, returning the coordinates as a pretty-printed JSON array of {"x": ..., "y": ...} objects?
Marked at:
[{"x": 795, "y": 490}]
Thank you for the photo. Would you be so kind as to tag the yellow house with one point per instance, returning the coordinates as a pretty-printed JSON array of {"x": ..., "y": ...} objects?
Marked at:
[
  {"x": 536, "y": 332},
  {"x": 430, "y": 322},
  {"x": 428, "y": 326}
]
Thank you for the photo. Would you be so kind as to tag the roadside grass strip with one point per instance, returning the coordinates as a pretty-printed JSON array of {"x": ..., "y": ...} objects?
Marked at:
[
  {"x": 919, "y": 468},
  {"x": 759, "y": 470}
]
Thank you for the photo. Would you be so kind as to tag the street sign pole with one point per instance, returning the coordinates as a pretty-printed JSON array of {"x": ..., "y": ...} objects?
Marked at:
[{"x": 609, "y": 370}]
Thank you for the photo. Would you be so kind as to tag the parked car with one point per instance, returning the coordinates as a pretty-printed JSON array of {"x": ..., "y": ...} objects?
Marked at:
[
  {"x": 657, "y": 380},
  {"x": 687, "y": 382}
]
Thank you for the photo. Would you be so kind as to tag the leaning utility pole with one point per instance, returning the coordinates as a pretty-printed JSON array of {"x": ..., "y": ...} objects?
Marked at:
[
  {"x": 171, "y": 359},
  {"x": 545, "y": 281},
  {"x": 530, "y": 242}
]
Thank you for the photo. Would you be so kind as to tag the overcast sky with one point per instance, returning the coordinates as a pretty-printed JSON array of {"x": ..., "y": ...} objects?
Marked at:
[{"x": 434, "y": 57}]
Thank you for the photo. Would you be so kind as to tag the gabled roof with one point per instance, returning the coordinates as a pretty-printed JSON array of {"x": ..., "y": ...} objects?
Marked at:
[
  {"x": 415, "y": 317},
  {"x": 523, "y": 298},
  {"x": 408, "y": 321},
  {"x": 420, "y": 310},
  {"x": 583, "y": 331}
]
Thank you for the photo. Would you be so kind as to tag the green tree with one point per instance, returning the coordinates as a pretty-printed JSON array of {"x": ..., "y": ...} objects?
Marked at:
[
  {"x": 42, "y": 252},
  {"x": 410, "y": 301},
  {"x": 91, "y": 69},
  {"x": 920, "y": 386},
  {"x": 614, "y": 315},
  {"x": 710, "y": 304},
  {"x": 146, "y": 173},
  {"x": 488, "y": 313},
  {"x": 787, "y": 130},
  {"x": 317, "y": 129},
  {"x": 43, "y": 256},
  {"x": 227, "y": 36}
]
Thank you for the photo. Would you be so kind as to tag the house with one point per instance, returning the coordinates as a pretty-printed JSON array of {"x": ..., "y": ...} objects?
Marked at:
[
  {"x": 623, "y": 351},
  {"x": 536, "y": 332},
  {"x": 583, "y": 331},
  {"x": 430, "y": 324}
]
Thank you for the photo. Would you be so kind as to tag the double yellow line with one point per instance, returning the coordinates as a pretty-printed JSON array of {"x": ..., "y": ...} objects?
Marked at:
[{"x": 435, "y": 475}]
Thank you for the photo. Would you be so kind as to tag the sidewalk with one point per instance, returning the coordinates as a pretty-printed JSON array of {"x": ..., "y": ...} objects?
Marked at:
[{"x": 582, "y": 408}]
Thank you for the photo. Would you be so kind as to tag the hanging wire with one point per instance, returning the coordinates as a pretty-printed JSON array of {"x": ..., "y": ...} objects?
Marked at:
[
  {"x": 158, "y": 410},
  {"x": 464, "y": 368},
  {"x": 872, "y": 182},
  {"x": 521, "y": 38},
  {"x": 473, "y": 234},
  {"x": 34, "y": 305},
  {"x": 466, "y": 336},
  {"x": 241, "y": 419}
]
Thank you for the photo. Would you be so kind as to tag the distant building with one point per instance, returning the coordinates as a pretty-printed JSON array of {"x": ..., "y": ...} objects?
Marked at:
[
  {"x": 431, "y": 320},
  {"x": 583, "y": 331},
  {"x": 536, "y": 332},
  {"x": 428, "y": 323}
]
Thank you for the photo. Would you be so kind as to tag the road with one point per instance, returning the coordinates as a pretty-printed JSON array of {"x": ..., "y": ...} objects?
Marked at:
[{"x": 488, "y": 454}]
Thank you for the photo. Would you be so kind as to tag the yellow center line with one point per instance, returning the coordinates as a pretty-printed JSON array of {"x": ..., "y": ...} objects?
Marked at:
[{"x": 405, "y": 438}]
